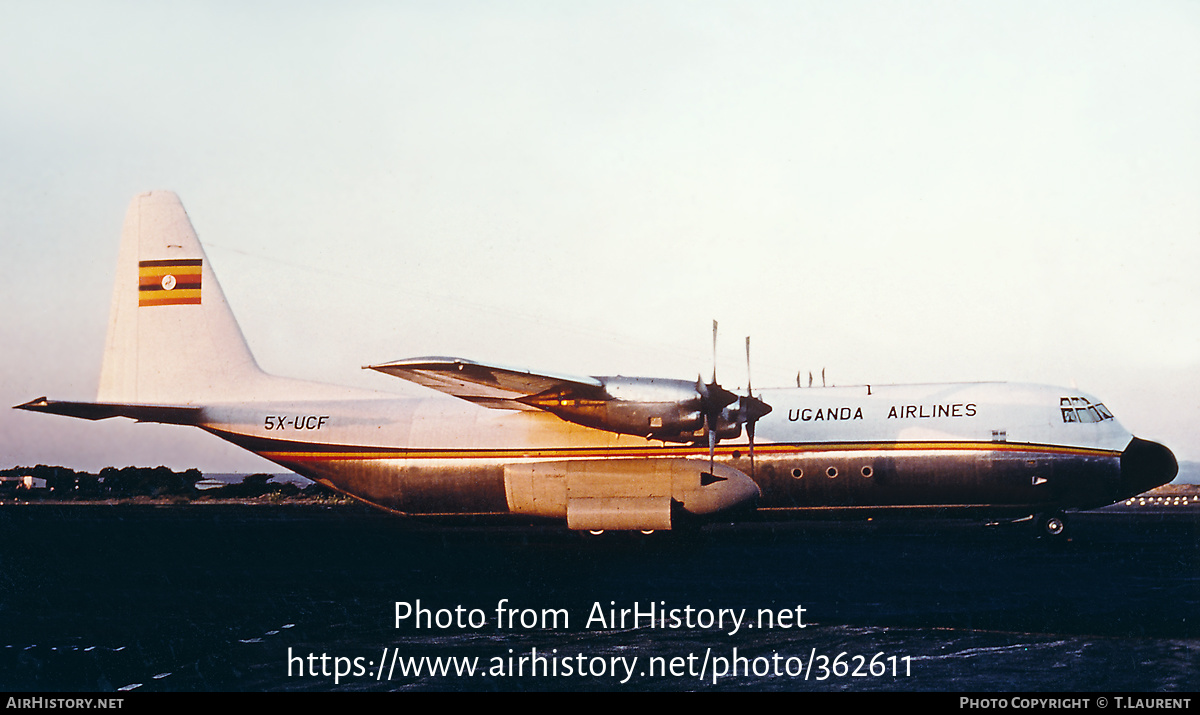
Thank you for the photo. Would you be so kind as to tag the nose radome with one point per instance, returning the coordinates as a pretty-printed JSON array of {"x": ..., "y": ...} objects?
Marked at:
[{"x": 1146, "y": 465}]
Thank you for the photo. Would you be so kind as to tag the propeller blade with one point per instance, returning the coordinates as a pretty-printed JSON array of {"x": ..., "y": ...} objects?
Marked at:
[
  {"x": 750, "y": 434},
  {"x": 748, "y": 390},
  {"x": 713, "y": 401},
  {"x": 714, "y": 380},
  {"x": 749, "y": 396},
  {"x": 750, "y": 408},
  {"x": 712, "y": 446}
]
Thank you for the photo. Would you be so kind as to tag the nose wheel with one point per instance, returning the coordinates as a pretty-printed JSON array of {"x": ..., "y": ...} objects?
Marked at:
[{"x": 1052, "y": 525}]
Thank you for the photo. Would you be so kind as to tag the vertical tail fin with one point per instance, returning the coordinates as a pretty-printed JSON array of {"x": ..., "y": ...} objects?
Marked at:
[{"x": 172, "y": 338}]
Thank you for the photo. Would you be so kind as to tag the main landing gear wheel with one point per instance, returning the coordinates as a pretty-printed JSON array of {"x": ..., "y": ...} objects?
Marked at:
[
  {"x": 1052, "y": 525},
  {"x": 622, "y": 535}
]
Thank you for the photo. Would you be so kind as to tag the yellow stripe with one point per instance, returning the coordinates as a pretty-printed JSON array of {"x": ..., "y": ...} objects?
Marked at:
[
  {"x": 159, "y": 271},
  {"x": 686, "y": 452},
  {"x": 169, "y": 297},
  {"x": 910, "y": 446}
]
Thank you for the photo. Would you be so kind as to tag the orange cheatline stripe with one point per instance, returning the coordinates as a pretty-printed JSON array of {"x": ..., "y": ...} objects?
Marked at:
[
  {"x": 602, "y": 453},
  {"x": 910, "y": 446}
]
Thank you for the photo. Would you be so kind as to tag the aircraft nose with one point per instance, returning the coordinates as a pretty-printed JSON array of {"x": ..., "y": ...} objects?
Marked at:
[{"x": 1146, "y": 465}]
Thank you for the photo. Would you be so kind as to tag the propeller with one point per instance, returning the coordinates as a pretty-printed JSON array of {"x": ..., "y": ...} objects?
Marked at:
[
  {"x": 713, "y": 400},
  {"x": 750, "y": 408}
]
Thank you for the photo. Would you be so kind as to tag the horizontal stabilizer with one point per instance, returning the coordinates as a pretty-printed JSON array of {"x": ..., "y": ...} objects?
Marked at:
[
  {"x": 168, "y": 414},
  {"x": 486, "y": 385}
]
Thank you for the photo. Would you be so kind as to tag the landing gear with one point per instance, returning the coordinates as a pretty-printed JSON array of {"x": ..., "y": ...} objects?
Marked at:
[
  {"x": 1052, "y": 525},
  {"x": 591, "y": 534}
]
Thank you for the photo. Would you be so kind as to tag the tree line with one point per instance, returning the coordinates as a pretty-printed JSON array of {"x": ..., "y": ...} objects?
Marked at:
[{"x": 112, "y": 483}]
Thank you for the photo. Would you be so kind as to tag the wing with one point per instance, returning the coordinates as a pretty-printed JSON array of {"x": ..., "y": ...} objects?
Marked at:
[
  {"x": 654, "y": 408},
  {"x": 487, "y": 385}
]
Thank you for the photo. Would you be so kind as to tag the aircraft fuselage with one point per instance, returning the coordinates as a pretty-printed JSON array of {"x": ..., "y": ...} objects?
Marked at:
[{"x": 982, "y": 448}]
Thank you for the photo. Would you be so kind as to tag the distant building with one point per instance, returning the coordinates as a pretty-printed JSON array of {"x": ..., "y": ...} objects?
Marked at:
[{"x": 22, "y": 482}]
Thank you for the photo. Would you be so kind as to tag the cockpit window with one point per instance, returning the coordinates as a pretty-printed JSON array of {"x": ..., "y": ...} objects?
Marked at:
[{"x": 1080, "y": 409}]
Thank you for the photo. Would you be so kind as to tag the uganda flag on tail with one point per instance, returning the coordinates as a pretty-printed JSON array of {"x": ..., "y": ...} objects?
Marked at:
[{"x": 170, "y": 282}]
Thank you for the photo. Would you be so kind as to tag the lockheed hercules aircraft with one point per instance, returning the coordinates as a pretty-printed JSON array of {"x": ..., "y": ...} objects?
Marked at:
[{"x": 598, "y": 453}]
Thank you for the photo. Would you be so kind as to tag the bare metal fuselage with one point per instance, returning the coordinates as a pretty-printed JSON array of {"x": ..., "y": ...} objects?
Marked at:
[{"x": 991, "y": 449}]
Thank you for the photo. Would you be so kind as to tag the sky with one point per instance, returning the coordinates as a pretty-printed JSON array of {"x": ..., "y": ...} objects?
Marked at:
[{"x": 890, "y": 192}]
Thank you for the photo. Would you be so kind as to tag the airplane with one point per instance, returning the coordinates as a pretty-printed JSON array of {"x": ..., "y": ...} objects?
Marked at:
[{"x": 598, "y": 453}]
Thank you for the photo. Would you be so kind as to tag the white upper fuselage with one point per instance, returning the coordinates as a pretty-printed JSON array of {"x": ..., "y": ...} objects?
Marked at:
[
  {"x": 964, "y": 412},
  {"x": 974, "y": 412}
]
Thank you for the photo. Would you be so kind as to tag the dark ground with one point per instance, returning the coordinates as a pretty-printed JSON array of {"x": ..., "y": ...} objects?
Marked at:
[{"x": 212, "y": 597}]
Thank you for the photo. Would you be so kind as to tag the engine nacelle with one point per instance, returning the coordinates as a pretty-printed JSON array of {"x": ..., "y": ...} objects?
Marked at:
[
  {"x": 625, "y": 494},
  {"x": 670, "y": 410}
]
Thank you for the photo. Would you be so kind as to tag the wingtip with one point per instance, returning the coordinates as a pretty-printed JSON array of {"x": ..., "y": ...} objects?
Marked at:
[{"x": 33, "y": 404}]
